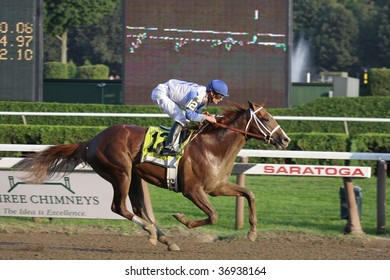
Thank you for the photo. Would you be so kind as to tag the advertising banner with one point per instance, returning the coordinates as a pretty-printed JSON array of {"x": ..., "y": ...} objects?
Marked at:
[
  {"x": 78, "y": 195},
  {"x": 302, "y": 170}
]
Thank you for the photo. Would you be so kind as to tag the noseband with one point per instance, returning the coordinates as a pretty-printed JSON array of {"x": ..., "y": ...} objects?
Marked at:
[{"x": 260, "y": 126}]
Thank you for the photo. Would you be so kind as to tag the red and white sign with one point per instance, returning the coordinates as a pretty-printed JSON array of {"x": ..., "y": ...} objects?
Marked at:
[{"x": 308, "y": 170}]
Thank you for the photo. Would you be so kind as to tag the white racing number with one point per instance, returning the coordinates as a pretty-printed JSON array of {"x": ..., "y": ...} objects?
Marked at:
[{"x": 192, "y": 104}]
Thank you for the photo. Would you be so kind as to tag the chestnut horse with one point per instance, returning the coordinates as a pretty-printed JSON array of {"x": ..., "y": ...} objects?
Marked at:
[{"x": 204, "y": 169}]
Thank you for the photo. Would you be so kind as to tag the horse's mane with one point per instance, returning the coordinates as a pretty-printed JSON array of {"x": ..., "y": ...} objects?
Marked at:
[{"x": 230, "y": 112}]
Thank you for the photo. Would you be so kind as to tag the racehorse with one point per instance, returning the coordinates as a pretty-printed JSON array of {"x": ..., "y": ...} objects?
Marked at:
[{"x": 204, "y": 169}]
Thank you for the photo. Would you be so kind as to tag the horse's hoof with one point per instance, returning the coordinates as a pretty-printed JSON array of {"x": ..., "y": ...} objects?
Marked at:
[
  {"x": 153, "y": 240},
  {"x": 173, "y": 247},
  {"x": 252, "y": 235},
  {"x": 179, "y": 217}
]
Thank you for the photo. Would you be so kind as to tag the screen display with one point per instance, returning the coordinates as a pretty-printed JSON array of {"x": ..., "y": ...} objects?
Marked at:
[
  {"x": 19, "y": 50},
  {"x": 244, "y": 43}
]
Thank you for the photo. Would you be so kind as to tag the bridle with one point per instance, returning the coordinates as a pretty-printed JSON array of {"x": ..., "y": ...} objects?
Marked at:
[
  {"x": 260, "y": 126},
  {"x": 266, "y": 134}
]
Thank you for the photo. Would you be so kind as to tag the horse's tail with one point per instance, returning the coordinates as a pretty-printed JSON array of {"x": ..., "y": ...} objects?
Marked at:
[{"x": 60, "y": 158}]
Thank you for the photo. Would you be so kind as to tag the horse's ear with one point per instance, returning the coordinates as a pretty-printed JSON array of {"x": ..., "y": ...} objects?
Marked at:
[
  {"x": 254, "y": 106},
  {"x": 251, "y": 105}
]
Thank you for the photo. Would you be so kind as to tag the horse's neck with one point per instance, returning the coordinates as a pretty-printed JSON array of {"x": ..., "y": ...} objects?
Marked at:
[
  {"x": 234, "y": 141},
  {"x": 232, "y": 145},
  {"x": 226, "y": 144}
]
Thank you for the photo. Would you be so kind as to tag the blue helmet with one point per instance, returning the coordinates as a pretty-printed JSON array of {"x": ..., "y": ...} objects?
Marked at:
[{"x": 219, "y": 87}]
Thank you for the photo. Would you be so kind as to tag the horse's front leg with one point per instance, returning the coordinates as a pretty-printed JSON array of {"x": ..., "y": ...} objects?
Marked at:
[
  {"x": 200, "y": 199},
  {"x": 231, "y": 189}
]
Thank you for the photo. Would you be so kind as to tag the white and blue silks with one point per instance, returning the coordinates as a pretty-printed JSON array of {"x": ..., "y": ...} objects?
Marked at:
[{"x": 182, "y": 101}]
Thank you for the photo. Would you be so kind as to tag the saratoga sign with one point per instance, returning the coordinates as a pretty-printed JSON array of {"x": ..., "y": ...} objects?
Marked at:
[
  {"x": 303, "y": 170},
  {"x": 79, "y": 195}
]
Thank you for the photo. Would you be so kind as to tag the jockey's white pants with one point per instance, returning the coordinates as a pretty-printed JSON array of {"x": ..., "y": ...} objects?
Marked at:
[{"x": 160, "y": 96}]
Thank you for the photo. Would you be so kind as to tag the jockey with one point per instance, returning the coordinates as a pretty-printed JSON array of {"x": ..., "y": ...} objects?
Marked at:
[{"x": 183, "y": 101}]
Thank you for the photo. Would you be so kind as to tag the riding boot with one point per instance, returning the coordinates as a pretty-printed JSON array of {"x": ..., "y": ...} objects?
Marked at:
[{"x": 174, "y": 134}]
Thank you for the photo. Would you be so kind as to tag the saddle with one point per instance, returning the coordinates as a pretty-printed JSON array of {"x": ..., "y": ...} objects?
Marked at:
[{"x": 154, "y": 142}]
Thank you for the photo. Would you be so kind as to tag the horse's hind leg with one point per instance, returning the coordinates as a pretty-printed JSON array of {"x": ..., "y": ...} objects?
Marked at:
[
  {"x": 137, "y": 199},
  {"x": 121, "y": 191},
  {"x": 120, "y": 182},
  {"x": 108, "y": 155}
]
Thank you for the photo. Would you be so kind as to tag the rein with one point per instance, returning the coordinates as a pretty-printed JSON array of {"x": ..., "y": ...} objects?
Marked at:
[
  {"x": 266, "y": 133},
  {"x": 246, "y": 133}
]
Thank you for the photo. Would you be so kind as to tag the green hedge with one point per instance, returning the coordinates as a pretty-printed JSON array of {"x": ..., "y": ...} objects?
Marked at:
[
  {"x": 379, "y": 81},
  {"x": 98, "y": 71},
  {"x": 334, "y": 127},
  {"x": 362, "y": 107},
  {"x": 331, "y": 142},
  {"x": 72, "y": 69},
  {"x": 58, "y": 70},
  {"x": 373, "y": 143},
  {"x": 83, "y": 121},
  {"x": 44, "y": 134},
  {"x": 359, "y": 107},
  {"x": 55, "y": 70}
]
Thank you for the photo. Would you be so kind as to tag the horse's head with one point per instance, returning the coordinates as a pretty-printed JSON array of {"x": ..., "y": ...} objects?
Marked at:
[{"x": 261, "y": 122}]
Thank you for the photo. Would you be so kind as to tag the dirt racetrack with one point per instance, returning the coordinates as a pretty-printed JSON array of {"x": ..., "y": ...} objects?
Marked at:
[{"x": 268, "y": 246}]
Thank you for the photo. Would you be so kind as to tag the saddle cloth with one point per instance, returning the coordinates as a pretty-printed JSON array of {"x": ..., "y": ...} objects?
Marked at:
[{"x": 155, "y": 138}]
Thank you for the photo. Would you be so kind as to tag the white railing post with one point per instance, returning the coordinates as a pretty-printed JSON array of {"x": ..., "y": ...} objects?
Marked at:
[{"x": 346, "y": 127}]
